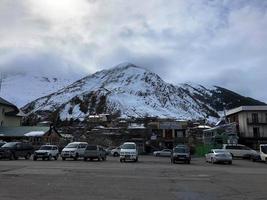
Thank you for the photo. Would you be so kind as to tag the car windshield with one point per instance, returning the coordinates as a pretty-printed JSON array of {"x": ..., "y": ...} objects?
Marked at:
[
  {"x": 45, "y": 147},
  {"x": 128, "y": 146},
  {"x": 72, "y": 145},
  {"x": 264, "y": 149},
  {"x": 219, "y": 151},
  {"x": 180, "y": 150},
  {"x": 91, "y": 147},
  {"x": 10, "y": 144}
]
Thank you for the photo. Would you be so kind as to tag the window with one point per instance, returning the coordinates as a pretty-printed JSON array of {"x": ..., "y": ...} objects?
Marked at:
[
  {"x": 256, "y": 132},
  {"x": 255, "y": 118}
]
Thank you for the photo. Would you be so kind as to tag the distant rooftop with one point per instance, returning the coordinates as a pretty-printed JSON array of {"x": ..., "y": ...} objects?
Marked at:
[{"x": 245, "y": 108}]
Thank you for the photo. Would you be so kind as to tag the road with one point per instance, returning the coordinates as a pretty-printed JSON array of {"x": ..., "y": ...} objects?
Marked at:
[{"x": 151, "y": 178}]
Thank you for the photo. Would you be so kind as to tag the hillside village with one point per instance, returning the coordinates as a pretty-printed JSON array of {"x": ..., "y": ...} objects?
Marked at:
[{"x": 244, "y": 124}]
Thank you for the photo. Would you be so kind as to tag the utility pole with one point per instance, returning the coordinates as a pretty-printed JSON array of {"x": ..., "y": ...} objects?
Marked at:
[{"x": 1, "y": 80}]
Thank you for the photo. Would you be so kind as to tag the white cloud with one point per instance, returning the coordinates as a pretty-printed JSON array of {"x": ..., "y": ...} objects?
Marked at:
[{"x": 183, "y": 40}]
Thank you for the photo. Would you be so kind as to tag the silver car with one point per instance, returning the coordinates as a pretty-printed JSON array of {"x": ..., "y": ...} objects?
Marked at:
[
  {"x": 164, "y": 152},
  {"x": 219, "y": 156},
  {"x": 94, "y": 152}
]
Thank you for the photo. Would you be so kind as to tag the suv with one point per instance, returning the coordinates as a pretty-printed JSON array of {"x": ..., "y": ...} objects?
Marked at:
[
  {"x": 239, "y": 150},
  {"x": 74, "y": 150},
  {"x": 46, "y": 152},
  {"x": 94, "y": 152},
  {"x": 14, "y": 150},
  {"x": 181, "y": 153},
  {"x": 129, "y": 152}
]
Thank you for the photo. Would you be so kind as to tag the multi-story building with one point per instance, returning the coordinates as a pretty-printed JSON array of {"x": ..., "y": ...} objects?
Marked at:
[
  {"x": 10, "y": 115},
  {"x": 251, "y": 124}
]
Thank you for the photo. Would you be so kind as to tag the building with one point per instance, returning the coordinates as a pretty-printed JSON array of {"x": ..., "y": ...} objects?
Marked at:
[
  {"x": 10, "y": 115},
  {"x": 168, "y": 133},
  {"x": 251, "y": 124},
  {"x": 37, "y": 135}
]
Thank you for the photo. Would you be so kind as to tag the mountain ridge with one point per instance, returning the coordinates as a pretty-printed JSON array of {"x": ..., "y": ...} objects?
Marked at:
[{"x": 133, "y": 91}]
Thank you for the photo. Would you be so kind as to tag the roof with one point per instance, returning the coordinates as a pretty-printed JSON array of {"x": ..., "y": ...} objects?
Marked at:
[
  {"x": 21, "y": 131},
  {"x": 5, "y": 102},
  {"x": 245, "y": 108}
]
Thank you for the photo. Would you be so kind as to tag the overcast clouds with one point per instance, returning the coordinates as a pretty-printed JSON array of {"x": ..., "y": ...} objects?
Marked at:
[{"x": 208, "y": 42}]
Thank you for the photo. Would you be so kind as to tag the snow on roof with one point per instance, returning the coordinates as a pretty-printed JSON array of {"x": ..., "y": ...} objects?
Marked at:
[
  {"x": 135, "y": 126},
  {"x": 35, "y": 134}
]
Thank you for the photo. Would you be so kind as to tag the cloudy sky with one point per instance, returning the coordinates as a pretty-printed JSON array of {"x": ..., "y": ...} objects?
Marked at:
[{"x": 208, "y": 42}]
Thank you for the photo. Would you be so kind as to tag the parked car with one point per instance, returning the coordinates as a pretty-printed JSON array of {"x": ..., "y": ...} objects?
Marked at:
[
  {"x": 219, "y": 156},
  {"x": 129, "y": 152},
  {"x": 46, "y": 152},
  {"x": 115, "y": 152},
  {"x": 239, "y": 150},
  {"x": 108, "y": 150},
  {"x": 14, "y": 150},
  {"x": 2, "y": 143},
  {"x": 181, "y": 153},
  {"x": 94, "y": 152},
  {"x": 74, "y": 150},
  {"x": 262, "y": 154},
  {"x": 164, "y": 152}
]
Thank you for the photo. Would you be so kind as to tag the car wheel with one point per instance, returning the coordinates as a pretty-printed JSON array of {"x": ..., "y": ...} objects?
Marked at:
[
  {"x": 230, "y": 162},
  {"x": 157, "y": 154},
  {"x": 121, "y": 160},
  {"x": 63, "y": 158},
  {"x": 50, "y": 157},
  {"x": 115, "y": 154},
  {"x": 12, "y": 156},
  {"x": 136, "y": 160},
  {"x": 212, "y": 160},
  {"x": 28, "y": 155},
  {"x": 34, "y": 158},
  {"x": 188, "y": 162},
  {"x": 98, "y": 159},
  {"x": 56, "y": 157},
  {"x": 76, "y": 157},
  {"x": 84, "y": 158}
]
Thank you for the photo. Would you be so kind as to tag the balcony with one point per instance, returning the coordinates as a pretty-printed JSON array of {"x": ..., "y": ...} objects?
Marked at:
[{"x": 256, "y": 122}]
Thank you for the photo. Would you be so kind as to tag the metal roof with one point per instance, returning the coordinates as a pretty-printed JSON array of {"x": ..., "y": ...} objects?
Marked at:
[{"x": 20, "y": 131}]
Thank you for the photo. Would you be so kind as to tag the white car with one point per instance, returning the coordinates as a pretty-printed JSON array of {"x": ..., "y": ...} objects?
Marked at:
[
  {"x": 164, "y": 152},
  {"x": 46, "y": 152},
  {"x": 74, "y": 150},
  {"x": 262, "y": 155},
  {"x": 128, "y": 152},
  {"x": 239, "y": 150},
  {"x": 218, "y": 156},
  {"x": 115, "y": 152}
]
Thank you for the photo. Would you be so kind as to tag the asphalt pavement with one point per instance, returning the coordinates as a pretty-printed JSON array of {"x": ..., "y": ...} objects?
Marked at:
[{"x": 151, "y": 178}]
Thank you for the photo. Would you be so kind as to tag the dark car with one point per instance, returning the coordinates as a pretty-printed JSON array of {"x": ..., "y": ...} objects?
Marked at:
[
  {"x": 2, "y": 143},
  {"x": 181, "y": 153},
  {"x": 14, "y": 150},
  {"x": 95, "y": 152}
]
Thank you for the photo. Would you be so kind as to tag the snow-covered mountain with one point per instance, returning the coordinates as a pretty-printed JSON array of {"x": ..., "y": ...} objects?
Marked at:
[
  {"x": 132, "y": 91},
  {"x": 22, "y": 88}
]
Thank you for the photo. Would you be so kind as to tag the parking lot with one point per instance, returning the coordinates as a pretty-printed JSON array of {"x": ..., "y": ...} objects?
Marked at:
[{"x": 151, "y": 178}]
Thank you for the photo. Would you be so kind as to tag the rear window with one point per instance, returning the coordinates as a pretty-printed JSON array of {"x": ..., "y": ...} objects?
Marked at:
[
  {"x": 91, "y": 147},
  {"x": 181, "y": 150}
]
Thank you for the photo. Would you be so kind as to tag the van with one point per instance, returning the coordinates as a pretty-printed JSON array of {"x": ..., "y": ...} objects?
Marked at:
[
  {"x": 239, "y": 150},
  {"x": 94, "y": 152},
  {"x": 128, "y": 152},
  {"x": 74, "y": 150}
]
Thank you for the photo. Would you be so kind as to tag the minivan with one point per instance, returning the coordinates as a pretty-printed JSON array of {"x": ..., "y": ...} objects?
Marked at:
[
  {"x": 74, "y": 150},
  {"x": 239, "y": 150},
  {"x": 129, "y": 152}
]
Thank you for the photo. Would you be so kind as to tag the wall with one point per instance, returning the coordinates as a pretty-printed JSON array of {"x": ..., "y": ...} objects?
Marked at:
[{"x": 8, "y": 120}]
